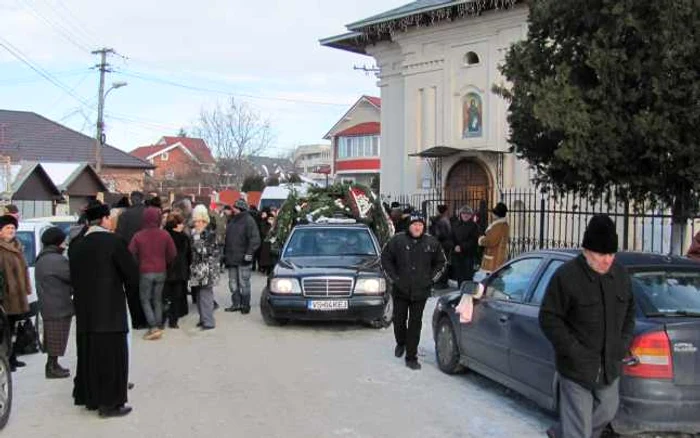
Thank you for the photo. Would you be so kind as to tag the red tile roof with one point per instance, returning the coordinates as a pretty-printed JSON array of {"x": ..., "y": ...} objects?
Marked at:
[
  {"x": 196, "y": 146},
  {"x": 369, "y": 128},
  {"x": 375, "y": 101}
]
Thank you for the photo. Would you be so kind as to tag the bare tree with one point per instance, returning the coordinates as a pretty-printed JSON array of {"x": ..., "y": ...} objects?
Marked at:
[{"x": 234, "y": 131}]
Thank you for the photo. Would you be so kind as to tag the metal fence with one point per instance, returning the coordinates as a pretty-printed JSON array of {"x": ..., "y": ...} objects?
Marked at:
[{"x": 541, "y": 220}]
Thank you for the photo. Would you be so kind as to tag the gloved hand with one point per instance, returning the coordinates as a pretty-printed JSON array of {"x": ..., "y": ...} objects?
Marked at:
[{"x": 248, "y": 258}]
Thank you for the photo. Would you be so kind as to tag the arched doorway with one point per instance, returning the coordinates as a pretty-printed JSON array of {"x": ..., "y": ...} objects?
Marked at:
[{"x": 468, "y": 183}]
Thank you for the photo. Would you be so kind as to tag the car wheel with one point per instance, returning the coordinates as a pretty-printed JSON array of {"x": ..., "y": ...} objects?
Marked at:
[
  {"x": 388, "y": 315},
  {"x": 446, "y": 348},
  {"x": 5, "y": 391},
  {"x": 266, "y": 311},
  {"x": 39, "y": 326}
]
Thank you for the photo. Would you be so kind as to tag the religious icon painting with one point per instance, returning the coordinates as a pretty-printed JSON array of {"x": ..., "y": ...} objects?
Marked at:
[{"x": 472, "y": 115}]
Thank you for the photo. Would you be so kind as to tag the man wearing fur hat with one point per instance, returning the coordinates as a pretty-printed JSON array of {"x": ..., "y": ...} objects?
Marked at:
[
  {"x": 588, "y": 315},
  {"x": 242, "y": 241},
  {"x": 413, "y": 261},
  {"x": 103, "y": 274}
]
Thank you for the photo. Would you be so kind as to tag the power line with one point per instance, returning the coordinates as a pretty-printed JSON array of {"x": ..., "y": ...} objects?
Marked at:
[
  {"x": 68, "y": 17},
  {"x": 14, "y": 51},
  {"x": 25, "y": 80},
  {"x": 154, "y": 79},
  {"x": 65, "y": 33}
]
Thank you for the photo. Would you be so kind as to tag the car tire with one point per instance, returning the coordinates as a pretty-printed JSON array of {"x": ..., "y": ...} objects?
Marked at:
[
  {"x": 388, "y": 316},
  {"x": 5, "y": 391},
  {"x": 447, "y": 348},
  {"x": 39, "y": 327},
  {"x": 266, "y": 311}
]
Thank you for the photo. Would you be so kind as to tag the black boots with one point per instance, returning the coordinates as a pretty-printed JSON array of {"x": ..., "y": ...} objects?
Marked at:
[
  {"x": 54, "y": 370},
  {"x": 399, "y": 350},
  {"x": 14, "y": 363}
]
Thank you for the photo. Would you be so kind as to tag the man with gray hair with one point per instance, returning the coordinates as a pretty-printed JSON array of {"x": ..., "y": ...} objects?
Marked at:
[
  {"x": 242, "y": 240},
  {"x": 465, "y": 238}
]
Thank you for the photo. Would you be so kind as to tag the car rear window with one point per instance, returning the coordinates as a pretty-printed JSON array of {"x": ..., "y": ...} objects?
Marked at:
[
  {"x": 330, "y": 242},
  {"x": 29, "y": 244},
  {"x": 667, "y": 291}
]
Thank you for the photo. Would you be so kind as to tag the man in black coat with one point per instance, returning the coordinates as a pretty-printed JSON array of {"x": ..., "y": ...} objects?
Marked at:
[
  {"x": 465, "y": 234},
  {"x": 588, "y": 315},
  {"x": 413, "y": 261},
  {"x": 103, "y": 275},
  {"x": 131, "y": 222},
  {"x": 242, "y": 241}
]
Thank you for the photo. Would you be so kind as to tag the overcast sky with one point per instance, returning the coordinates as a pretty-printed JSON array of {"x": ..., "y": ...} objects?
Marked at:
[{"x": 265, "y": 53}]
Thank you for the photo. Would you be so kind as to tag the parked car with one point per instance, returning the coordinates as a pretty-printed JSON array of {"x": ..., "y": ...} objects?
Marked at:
[
  {"x": 5, "y": 374},
  {"x": 328, "y": 271},
  {"x": 29, "y": 233},
  {"x": 660, "y": 382},
  {"x": 65, "y": 223}
]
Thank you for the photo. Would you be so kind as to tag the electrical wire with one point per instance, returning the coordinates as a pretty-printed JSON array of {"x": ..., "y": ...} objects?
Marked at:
[
  {"x": 65, "y": 33},
  {"x": 69, "y": 18}
]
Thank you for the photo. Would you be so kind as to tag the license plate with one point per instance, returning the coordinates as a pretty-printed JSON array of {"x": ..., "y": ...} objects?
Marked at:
[{"x": 328, "y": 305}]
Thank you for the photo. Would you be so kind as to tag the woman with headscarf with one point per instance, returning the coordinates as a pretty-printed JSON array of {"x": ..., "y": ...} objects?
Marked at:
[
  {"x": 204, "y": 271},
  {"x": 16, "y": 287},
  {"x": 53, "y": 287}
]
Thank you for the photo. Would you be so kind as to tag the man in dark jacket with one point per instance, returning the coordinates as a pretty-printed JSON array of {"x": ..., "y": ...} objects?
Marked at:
[
  {"x": 466, "y": 243},
  {"x": 588, "y": 316},
  {"x": 242, "y": 240},
  {"x": 412, "y": 261},
  {"x": 53, "y": 287},
  {"x": 103, "y": 274},
  {"x": 131, "y": 222}
]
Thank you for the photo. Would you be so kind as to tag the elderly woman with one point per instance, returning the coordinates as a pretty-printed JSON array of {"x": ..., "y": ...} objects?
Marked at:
[
  {"x": 53, "y": 286},
  {"x": 204, "y": 271},
  {"x": 16, "y": 287}
]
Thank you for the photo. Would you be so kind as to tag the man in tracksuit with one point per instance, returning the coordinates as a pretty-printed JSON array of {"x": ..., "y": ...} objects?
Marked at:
[
  {"x": 588, "y": 315},
  {"x": 413, "y": 261},
  {"x": 242, "y": 240}
]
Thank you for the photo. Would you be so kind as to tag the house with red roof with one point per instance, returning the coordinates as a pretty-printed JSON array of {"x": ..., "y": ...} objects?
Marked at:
[
  {"x": 177, "y": 158},
  {"x": 355, "y": 142}
]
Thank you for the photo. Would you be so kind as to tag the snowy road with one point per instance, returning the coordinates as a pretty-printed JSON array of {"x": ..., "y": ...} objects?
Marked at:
[{"x": 245, "y": 379}]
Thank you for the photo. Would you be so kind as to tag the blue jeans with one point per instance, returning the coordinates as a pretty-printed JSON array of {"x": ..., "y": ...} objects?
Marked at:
[
  {"x": 151, "y": 293},
  {"x": 239, "y": 285}
]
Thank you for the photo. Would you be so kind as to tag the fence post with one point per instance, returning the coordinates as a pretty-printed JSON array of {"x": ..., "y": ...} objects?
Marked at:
[
  {"x": 542, "y": 217},
  {"x": 626, "y": 226}
]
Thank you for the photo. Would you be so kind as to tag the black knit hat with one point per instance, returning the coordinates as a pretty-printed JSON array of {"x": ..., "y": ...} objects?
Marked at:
[
  {"x": 53, "y": 236},
  {"x": 96, "y": 210},
  {"x": 500, "y": 210},
  {"x": 8, "y": 220},
  {"x": 416, "y": 217},
  {"x": 600, "y": 235}
]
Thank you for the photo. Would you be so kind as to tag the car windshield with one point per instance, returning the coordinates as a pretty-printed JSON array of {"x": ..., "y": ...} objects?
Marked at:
[
  {"x": 27, "y": 240},
  {"x": 64, "y": 226},
  {"x": 667, "y": 293},
  {"x": 270, "y": 202},
  {"x": 330, "y": 242}
]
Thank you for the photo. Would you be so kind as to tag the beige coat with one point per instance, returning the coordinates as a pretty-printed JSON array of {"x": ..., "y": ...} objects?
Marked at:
[
  {"x": 17, "y": 286},
  {"x": 495, "y": 243}
]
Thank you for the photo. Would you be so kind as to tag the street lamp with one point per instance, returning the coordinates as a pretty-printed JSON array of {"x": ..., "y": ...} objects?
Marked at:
[{"x": 100, "y": 140}]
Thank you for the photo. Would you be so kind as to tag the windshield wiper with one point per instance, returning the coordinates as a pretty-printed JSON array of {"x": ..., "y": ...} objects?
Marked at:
[{"x": 674, "y": 313}]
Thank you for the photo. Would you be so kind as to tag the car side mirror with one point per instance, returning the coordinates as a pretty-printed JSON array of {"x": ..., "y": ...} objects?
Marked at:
[{"x": 469, "y": 287}]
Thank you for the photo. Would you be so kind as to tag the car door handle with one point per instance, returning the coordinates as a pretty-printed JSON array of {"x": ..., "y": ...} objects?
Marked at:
[{"x": 504, "y": 319}]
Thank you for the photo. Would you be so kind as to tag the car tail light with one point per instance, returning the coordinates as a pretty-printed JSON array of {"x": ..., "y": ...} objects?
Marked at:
[{"x": 652, "y": 357}]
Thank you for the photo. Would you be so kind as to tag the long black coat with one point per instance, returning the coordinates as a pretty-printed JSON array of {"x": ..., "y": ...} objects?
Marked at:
[
  {"x": 589, "y": 319},
  {"x": 103, "y": 273},
  {"x": 466, "y": 236},
  {"x": 413, "y": 265},
  {"x": 179, "y": 268},
  {"x": 130, "y": 222}
]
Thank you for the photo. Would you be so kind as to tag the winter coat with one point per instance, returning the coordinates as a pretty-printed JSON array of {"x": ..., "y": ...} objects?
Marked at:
[
  {"x": 153, "y": 248},
  {"x": 179, "y": 268},
  {"x": 130, "y": 222},
  {"x": 694, "y": 250},
  {"x": 53, "y": 286},
  {"x": 242, "y": 239},
  {"x": 221, "y": 222},
  {"x": 266, "y": 258},
  {"x": 442, "y": 231},
  {"x": 17, "y": 286},
  {"x": 589, "y": 319},
  {"x": 495, "y": 243},
  {"x": 103, "y": 274},
  {"x": 413, "y": 265},
  {"x": 466, "y": 236},
  {"x": 205, "y": 267}
]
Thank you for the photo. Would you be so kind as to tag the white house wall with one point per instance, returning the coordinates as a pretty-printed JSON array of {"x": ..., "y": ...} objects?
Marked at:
[{"x": 423, "y": 81}]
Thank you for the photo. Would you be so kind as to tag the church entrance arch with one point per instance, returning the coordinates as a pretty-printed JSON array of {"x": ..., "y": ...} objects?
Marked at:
[{"x": 468, "y": 183}]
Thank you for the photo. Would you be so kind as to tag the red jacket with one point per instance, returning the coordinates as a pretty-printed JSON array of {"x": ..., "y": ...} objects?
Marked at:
[{"x": 153, "y": 248}]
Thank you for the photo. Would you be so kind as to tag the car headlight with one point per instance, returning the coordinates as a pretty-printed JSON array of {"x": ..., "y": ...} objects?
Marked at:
[
  {"x": 285, "y": 286},
  {"x": 370, "y": 286}
]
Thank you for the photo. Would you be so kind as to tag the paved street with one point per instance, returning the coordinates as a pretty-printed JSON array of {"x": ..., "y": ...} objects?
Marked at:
[{"x": 245, "y": 379}]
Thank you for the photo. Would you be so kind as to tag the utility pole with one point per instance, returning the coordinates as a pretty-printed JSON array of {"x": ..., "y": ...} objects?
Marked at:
[{"x": 103, "y": 67}]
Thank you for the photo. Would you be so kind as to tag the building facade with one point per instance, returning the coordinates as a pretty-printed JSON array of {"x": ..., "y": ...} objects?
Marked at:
[
  {"x": 177, "y": 158},
  {"x": 443, "y": 129},
  {"x": 356, "y": 142}
]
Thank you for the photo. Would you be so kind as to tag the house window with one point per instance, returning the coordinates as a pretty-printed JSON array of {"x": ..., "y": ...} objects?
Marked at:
[
  {"x": 164, "y": 156},
  {"x": 358, "y": 147},
  {"x": 471, "y": 58}
]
